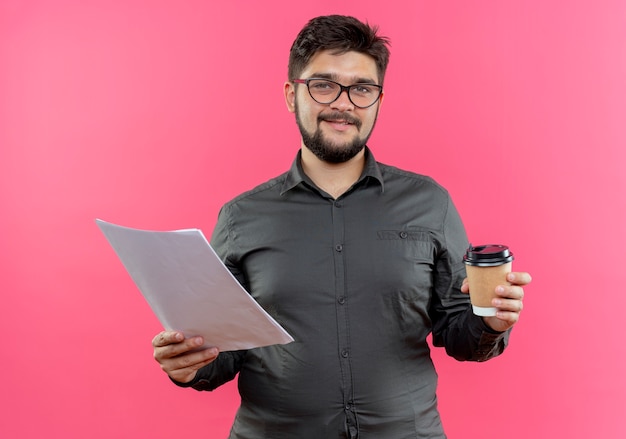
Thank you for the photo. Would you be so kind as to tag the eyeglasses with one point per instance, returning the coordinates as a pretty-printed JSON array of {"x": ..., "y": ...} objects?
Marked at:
[{"x": 324, "y": 91}]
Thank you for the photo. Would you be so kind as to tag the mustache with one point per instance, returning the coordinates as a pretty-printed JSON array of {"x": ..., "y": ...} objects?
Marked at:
[{"x": 335, "y": 115}]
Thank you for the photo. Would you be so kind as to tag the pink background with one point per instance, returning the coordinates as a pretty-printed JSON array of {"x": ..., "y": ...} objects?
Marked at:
[{"x": 152, "y": 114}]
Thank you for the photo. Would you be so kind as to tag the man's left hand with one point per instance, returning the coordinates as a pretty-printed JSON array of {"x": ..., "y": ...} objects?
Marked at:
[{"x": 509, "y": 302}]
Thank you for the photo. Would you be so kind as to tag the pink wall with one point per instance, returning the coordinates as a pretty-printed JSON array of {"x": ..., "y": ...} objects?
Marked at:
[{"x": 154, "y": 113}]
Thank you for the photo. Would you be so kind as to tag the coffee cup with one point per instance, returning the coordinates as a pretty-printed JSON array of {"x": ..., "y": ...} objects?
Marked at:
[{"x": 487, "y": 267}]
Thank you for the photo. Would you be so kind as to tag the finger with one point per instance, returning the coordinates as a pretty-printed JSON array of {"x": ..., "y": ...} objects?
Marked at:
[
  {"x": 510, "y": 292},
  {"x": 465, "y": 286},
  {"x": 502, "y": 321},
  {"x": 176, "y": 349},
  {"x": 508, "y": 317},
  {"x": 519, "y": 278},
  {"x": 511, "y": 305},
  {"x": 189, "y": 361},
  {"x": 184, "y": 368},
  {"x": 185, "y": 375},
  {"x": 165, "y": 338}
]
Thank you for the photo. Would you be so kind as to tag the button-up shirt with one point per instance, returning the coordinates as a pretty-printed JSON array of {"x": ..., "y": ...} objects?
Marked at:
[{"x": 359, "y": 282}]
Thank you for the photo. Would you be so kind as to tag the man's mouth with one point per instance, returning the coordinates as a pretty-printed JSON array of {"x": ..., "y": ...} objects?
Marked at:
[{"x": 339, "y": 121}]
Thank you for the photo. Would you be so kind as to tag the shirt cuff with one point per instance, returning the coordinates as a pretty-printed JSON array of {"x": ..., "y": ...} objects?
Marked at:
[
  {"x": 491, "y": 343},
  {"x": 189, "y": 384}
]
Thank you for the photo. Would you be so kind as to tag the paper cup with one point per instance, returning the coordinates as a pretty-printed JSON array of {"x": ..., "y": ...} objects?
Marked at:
[{"x": 487, "y": 267}]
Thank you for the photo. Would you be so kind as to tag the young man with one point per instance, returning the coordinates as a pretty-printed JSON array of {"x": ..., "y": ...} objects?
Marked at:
[{"x": 359, "y": 261}]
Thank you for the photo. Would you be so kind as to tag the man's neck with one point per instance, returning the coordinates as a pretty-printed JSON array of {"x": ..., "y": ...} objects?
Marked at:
[{"x": 333, "y": 178}]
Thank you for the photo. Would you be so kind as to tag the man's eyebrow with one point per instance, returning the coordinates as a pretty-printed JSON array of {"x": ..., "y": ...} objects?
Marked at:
[{"x": 335, "y": 77}]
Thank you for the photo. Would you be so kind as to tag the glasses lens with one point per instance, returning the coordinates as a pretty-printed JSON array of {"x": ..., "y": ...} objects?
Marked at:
[
  {"x": 364, "y": 95},
  {"x": 325, "y": 92}
]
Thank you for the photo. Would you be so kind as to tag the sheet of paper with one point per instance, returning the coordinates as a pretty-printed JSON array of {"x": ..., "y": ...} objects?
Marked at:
[{"x": 190, "y": 290}]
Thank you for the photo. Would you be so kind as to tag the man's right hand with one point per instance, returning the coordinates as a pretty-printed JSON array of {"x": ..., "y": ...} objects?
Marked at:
[{"x": 178, "y": 357}]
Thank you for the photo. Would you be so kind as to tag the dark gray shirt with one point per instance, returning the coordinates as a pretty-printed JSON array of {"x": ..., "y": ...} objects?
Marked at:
[{"x": 359, "y": 282}]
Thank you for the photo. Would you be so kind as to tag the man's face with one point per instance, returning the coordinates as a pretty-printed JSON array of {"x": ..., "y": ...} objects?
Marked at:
[{"x": 338, "y": 131}]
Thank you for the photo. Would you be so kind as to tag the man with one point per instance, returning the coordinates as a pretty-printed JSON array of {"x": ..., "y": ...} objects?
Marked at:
[{"x": 359, "y": 261}]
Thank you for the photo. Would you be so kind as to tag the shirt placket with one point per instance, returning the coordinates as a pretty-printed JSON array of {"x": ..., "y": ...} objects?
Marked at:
[{"x": 343, "y": 321}]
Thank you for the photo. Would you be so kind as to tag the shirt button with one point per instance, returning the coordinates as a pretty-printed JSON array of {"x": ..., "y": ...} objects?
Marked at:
[
  {"x": 344, "y": 353},
  {"x": 403, "y": 235},
  {"x": 341, "y": 300},
  {"x": 339, "y": 247},
  {"x": 337, "y": 204}
]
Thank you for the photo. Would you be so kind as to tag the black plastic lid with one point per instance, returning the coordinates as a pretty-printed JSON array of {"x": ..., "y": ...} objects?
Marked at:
[{"x": 488, "y": 255}]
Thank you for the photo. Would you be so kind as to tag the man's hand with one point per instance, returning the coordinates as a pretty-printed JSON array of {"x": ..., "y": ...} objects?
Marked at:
[
  {"x": 177, "y": 356},
  {"x": 509, "y": 302}
]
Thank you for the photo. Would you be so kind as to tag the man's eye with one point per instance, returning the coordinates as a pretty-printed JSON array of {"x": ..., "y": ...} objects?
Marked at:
[
  {"x": 322, "y": 85},
  {"x": 363, "y": 89}
]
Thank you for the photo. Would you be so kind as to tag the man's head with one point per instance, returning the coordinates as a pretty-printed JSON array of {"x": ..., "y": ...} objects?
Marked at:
[
  {"x": 338, "y": 34},
  {"x": 336, "y": 69}
]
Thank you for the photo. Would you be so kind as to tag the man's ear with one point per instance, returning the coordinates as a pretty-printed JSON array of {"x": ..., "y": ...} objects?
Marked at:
[{"x": 290, "y": 96}]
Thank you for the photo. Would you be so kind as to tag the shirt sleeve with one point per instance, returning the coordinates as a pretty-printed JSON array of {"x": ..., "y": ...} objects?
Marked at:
[
  {"x": 228, "y": 364},
  {"x": 465, "y": 336},
  {"x": 222, "y": 370}
]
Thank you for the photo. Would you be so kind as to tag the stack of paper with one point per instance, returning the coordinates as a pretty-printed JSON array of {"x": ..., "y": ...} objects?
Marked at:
[{"x": 190, "y": 290}]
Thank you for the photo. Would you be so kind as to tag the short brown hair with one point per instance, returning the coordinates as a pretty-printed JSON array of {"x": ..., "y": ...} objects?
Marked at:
[{"x": 340, "y": 34}]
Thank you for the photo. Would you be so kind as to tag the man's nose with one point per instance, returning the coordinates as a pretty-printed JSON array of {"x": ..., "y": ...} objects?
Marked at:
[{"x": 342, "y": 103}]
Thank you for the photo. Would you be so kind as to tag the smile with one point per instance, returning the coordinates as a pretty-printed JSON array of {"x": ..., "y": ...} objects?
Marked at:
[{"x": 339, "y": 120}]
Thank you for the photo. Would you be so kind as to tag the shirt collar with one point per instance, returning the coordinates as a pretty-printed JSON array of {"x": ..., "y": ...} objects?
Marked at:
[{"x": 296, "y": 175}]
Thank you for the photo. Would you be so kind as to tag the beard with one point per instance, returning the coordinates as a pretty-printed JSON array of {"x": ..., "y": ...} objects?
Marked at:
[{"x": 326, "y": 150}]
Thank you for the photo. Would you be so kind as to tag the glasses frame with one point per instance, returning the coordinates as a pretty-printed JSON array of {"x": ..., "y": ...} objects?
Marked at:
[{"x": 342, "y": 88}]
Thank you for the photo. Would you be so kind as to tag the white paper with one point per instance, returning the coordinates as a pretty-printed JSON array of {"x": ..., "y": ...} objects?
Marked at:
[{"x": 190, "y": 290}]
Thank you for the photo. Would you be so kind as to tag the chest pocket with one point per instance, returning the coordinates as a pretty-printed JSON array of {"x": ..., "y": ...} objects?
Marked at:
[
  {"x": 419, "y": 243},
  {"x": 404, "y": 274}
]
